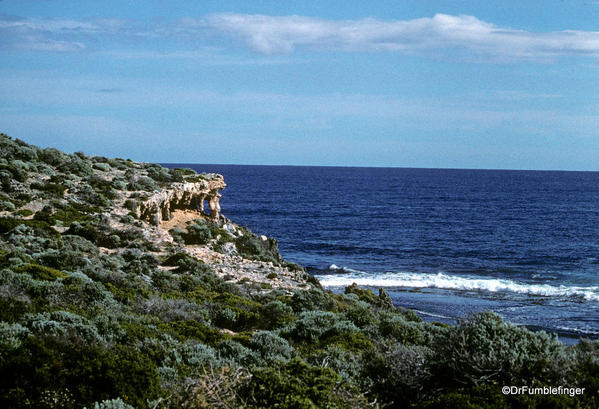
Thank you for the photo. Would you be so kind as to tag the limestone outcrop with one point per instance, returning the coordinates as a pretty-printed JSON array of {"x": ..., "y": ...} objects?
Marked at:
[{"x": 185, "y": 195}]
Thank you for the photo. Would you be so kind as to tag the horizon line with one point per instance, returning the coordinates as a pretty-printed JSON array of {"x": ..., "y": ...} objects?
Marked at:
[{"x": 377, "y": 167}]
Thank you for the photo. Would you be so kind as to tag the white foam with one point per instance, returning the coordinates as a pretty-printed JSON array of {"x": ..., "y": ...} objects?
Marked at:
[
  {"x": 452, "y": 282},
  {"x": 586, "y": 331},
  {"x": 336, "y": 268}
]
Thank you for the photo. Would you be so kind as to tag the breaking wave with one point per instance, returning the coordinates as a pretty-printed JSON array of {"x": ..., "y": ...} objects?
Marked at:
[{"x": 343, "y": 277}]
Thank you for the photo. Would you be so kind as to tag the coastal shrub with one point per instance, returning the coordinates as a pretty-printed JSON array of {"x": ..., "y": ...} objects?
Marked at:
[
  {"x": 104, "y": 167},
  {"x": 158, "y": 173},
  {"x": 186, "y": 264},
  {"x": 118, "y": 184},
  {"x": 295, "y": 385},
  {"x": 276, "y": 314},
  {"x": 270, "y": 346},
  {"x": 13, "y": 172},
  {"x": 79, "y": 244},
  {"x": 361, "y": 314},
  {"x": 6, "y": 205},
  {"x": 53, "y": 156},
  {"x": 197, "y": 234},
  {"x": 73, "y": 164},
  {"x": 41, "y": 228},
  {"x": 52, "y": 188},
  {"x": 312, "y": 325},
  {"x": 407, "y": 332},
  {"x": 138, "y": 262},
  {"x": 585, "y": 370},
  {"x": 63, "y": 324},
  {"x": 174, "y": 309},
  {"x": 11, "y": 336},
  {"x": 347, "y": 364},
  {"x": 68, "y": 215},
  {"x": 224, "y": 317},
  {"x": 102, "y": 186},
  {"x": 165, "y": 281},
  {"x": 197, "y": 356},
  {"x": 16, "y": 149},
  {"x": 184, "y": 171},
  {"x": 23, "y": 212},
  {"x": 142, "y": 183},
  {"x": 91, "y": 373},
  {"x": 100, "y": 233},
  {"x": 80, "y": 291},
  {"x": 77, "y": 165},
  {"x": 253, "y": 247},
  {"x": 191, "y": 329},
  {"x": 215, "y": 388},
  {"x": 313, "y": 299},
  {"x": 216, "y": 231},
  {"x": 233, "y": 312},
  {"x": 40, "y": 272},
  {"x": 176, "y": 175},
  {"x": 111, "y": 404},
  {"x": 24, "y": 237},
  {"x": 396, "y": 372},
  {"x": 177, "y": 234},
  {"x": 63, "y": 259},
  {"x": 194, "y": 179},
  {"x": 484, "y": 348},
  {"x": 233, "y": 351}
]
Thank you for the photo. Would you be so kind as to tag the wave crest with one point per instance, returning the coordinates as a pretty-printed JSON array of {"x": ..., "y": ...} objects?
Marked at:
[{"x": 346, "y": 277}]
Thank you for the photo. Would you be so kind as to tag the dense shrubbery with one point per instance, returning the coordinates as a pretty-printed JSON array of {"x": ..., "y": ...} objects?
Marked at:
[
  {"x": 251, "y": 246},
  {"x": 90, "y": 318}
]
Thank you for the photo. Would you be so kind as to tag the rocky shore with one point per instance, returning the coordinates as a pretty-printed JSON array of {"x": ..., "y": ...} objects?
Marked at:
[{"x": 123, "y": 286}]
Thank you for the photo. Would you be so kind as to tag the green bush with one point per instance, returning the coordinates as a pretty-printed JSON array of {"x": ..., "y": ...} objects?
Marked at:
[
  {"x": 197, "y": 234},
  {"x": 396, "y": 373},
  {"x": 313, "y": 299},
  {"x": 408, "y": 332},
  {"x": 41, "y": 228},
  {"x": 484, "y": 348},
  {"x": 314, "y": 325},
  {"x": 53, "y": 188},
  {"x": 159, "y": 174},
  {"x": 270, "y": 346},
  {"x": 276, "y": 314},
  {"x": 294, "y": 385},
  {"x": 23, "y": 212},
  {"x": 585, "y": 370},
  {"x": 143, "y": 183},
  {"x": 253, "y": 247},
  {"x": 6, "y": 205},
  {"x": 186, "y": 264},
  {"x": 104, "y": 167},
  {"x": 90, "y": 373},
  {"x": 40, "y": 272}
]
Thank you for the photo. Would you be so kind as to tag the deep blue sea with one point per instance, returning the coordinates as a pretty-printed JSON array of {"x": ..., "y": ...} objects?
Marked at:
[{"x": 524, "y": 244}]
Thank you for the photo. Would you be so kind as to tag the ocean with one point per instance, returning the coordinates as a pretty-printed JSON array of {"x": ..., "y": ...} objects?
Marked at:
[{"x": 444, "y": 242}]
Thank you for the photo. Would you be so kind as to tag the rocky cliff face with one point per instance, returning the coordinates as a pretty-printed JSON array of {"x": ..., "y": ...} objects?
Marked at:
[{"x": 182, "y": 196}]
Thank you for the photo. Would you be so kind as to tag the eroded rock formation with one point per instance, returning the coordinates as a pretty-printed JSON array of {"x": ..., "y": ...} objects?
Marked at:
[{"x": 186, "y": 195}]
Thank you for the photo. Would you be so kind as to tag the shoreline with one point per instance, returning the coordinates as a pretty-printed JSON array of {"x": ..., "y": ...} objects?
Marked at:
[{"x": 121, "y": 288}]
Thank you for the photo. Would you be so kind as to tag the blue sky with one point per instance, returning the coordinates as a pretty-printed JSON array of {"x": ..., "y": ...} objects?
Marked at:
[{"x": 423, "y": 83}]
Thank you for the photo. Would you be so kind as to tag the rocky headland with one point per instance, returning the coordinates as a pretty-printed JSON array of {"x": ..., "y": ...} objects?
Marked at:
[{"x": 122, "y": 285}]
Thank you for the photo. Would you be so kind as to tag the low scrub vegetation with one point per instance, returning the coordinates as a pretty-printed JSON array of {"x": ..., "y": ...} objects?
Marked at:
[{"x": 93, "y": 316}]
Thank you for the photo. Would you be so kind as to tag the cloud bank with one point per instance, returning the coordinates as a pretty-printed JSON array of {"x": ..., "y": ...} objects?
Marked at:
[{"x": 270, "y": 35}]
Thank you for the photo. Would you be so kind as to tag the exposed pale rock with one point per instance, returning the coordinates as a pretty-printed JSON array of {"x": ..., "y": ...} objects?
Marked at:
[{"x": 184, "y": 196}]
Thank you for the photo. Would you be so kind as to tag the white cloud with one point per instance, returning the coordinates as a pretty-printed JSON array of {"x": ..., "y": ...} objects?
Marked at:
[
  {"x": 273, "y": 34},
  {"x": 270, "y": 35}
]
